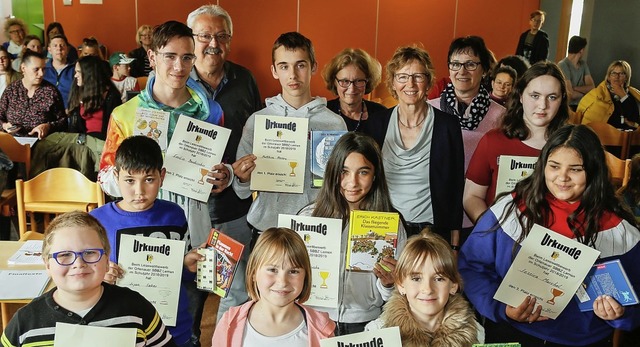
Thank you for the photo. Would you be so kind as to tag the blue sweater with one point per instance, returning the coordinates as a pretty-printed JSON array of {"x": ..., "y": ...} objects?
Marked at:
[
  {"x": 164, "y": 220},
  {"x": 63, "y": 80},
  {"x": 486, "y": 257}
]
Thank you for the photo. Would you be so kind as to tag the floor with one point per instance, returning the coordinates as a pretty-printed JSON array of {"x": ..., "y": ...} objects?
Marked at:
[{"x": 208, "y": 324}]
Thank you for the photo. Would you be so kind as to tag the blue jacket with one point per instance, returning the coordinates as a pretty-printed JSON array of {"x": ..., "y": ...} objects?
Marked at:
[{"x": 63, "y": 80}]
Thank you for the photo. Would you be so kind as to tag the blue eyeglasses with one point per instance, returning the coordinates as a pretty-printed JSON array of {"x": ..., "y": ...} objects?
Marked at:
[{"x": 89, "y": 256}]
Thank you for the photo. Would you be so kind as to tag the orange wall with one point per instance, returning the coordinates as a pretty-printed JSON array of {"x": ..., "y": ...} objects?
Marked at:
[{"x": 378, "y": 26}]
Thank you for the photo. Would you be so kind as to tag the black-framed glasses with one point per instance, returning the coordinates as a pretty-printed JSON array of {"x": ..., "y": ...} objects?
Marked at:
[
  {"x": 67, "y": 258},
  {"x": 404, "y": 77},
  {"x": 207, "y": 38},
  {"x": 468, "y": 65},
  {"x": 171, "y": 58},
  {"x": 618, "y": 74},
  {"x": 345, "y": 83}
]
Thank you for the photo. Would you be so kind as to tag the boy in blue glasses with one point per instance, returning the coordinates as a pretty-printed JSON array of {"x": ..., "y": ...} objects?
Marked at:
[{"x": 76, "y": 253}]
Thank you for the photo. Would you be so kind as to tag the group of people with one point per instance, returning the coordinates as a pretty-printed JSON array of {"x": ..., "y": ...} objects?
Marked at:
[{"x": 432, "y": 161}]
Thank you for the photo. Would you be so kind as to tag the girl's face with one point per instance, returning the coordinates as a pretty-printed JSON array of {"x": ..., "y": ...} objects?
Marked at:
[
  {"x": 35, "y": 45},
  {"x": 279, "y": 283},
  {"x": 564, "y": 175},
  {"x": 427, "y": 293},
  {"x": 541, "y": 100},
  {"x": 4, "y": 62},
  {"x": 356, "y": 179},
  {"x": 78, "y": 75}
]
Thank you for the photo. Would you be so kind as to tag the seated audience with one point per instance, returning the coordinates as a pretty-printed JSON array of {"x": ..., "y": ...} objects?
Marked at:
[
  {"x": 7, "y": 74},
  {"x": 120, "y": 67},
  {"x": 59, "y": 70},
  {"x": 31, "y": 42},
  {"x": 576, "y": 71},
  {"x": 55, "y": 29},
  {"x": 91, "y": 46},
  {"x": 502, "y": 80},
  {"x": 140, "y": 66},
  {"x": 15, "y": 29}
]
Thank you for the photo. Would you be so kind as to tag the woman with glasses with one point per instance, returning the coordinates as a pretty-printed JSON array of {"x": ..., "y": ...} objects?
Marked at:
[
  {"x": 140, "y": 66},
  {"x": 350, "y": 75},
  {"x": 422, "y": 151},
  {"x": 15, "y": 30},
  {"x": 614, "y": 100}
]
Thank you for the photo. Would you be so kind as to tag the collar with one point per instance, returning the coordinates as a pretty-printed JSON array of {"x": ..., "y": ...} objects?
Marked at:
[{"x": 210, "y": 91}]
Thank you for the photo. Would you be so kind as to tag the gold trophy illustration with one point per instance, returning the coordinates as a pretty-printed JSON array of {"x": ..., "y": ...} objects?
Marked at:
[
  {"x": 324, "y": 275},
  {"x": 293, "y": 165},
  {"x": 203, "y": 172},
  {"x": 556, "y": 293}
]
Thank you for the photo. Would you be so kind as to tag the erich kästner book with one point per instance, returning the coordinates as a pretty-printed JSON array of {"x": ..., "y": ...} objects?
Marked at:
[
  {"x": 372, "y": 236},
  {"x": 228, "y": 252}
]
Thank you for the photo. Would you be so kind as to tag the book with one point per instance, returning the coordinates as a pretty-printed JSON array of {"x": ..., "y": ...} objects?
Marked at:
[
  {"x": 322, "y": 143},
  {"x": 206, "y": 269},
  {"x": 228, "y": 253},
  {"x": 372, "y": 236},
  {"x": 608, "y": 278},
  {"x": 30, "y": 253},
  {"x": 22, "y": 284}
]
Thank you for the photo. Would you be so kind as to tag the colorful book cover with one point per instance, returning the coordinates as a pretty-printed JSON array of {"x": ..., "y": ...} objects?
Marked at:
[
  {"x": 608, "y": 278},
  {"x": 228, "y": 252},
  {"x": 372, "y": 235},
  {"x": 322, "y": 143}
]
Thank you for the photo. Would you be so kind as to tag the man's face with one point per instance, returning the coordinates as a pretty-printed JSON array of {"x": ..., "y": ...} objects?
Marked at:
[
  {"x": 293, "y": 69},
  {"x": 214, "y": 53},
  {"x": 170, "y": 63},
  {"x": 58, "y": 49}
]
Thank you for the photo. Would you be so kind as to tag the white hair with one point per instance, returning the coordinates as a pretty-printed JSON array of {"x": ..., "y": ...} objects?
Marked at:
[{"x": 211, "y": 10}]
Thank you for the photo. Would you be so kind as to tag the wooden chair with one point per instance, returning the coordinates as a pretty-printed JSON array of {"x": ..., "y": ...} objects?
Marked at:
[
  {"x": 610, "y": 136},
  {"x": 55, "y": 191},
  {"x": 18, "y": 154},
  {"x": 619, "y": 170},
  {"x": 142, "y": 82}
]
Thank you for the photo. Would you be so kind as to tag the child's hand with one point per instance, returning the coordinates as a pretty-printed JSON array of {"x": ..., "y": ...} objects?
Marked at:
[
  {"x": 244, "y": 166},
  {"x": 115, "y": 272},
  {"x": 384, "y": 271},
  {"x": 219, "y": 176},
  {"x": 192, "y": 258},
  {"x": 607, "y": 308},
  {"x": 526, "y": 312}
]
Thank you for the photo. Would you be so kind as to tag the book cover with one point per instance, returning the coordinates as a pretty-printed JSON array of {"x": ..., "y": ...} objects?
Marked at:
[
  {"x": 372, "y": 236},
  {"x": 228, "y": 252},
  {"x": 153, "y": 124},
  {"x": 608, "y": 278},
  {"x": 30, "y": 253},
  {"x": 206, "y": 269},
  {"x": 322, "y": 143}
]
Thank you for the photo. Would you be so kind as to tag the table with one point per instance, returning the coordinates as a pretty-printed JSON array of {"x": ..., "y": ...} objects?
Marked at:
[{"x": 7, "y": 249}]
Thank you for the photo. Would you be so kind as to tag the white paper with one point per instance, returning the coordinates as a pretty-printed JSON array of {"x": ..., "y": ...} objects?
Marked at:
[
  {"x": 26, "y": 140},
  {"x": 323, "y": 239},
  {"x": 22, "y": 284},
  {"x": 196, "y": 146},
  {"x": 513, "y": 169},
  {"x": 153, "y": 124},
  {"x": 382, "y": 337},
  {"x": 88, "y": 335},
  {"x": 153, "y": 268},
  {"x": 29, "y": 254}
]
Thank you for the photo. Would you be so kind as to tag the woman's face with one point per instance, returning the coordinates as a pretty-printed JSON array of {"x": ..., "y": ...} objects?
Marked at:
[
  {"x": 351, "y": 95},
  {"x": 53, "y": 32},
  {"x": 4, "y": 61},
  {"x": 617, "y": 76},
  {"x": 35, "y": 45},
  {"x": 33, "y": 71},
  {"x": 145, "y": 38},
  {"x": 502, "y": 85},
  {"x": 466, "y": 82},
  {"x": 16, "y": 34},
  {"x": 411, "y": 92},
  {"x": 78, "y": 75},
  {"x": 564, "y": 175},
  {"x": 356, "y": 179},
  {"x": 541, "y": 101}
]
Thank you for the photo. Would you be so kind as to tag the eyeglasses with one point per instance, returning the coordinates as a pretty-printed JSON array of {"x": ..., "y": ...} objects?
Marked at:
[
  {"x": 67, "y": 258},
  {"x": 171, "y": 58},
  {"x": 404, "y": 77},
  {"x": 469, "y": 65},
  {"x": 345, "y": 83},
  {"x": 145, "y": 35},
  {"x": 617, "y": 74},
  {"x": 206, "y": 38},
  {"x": 17, "y": 31}
]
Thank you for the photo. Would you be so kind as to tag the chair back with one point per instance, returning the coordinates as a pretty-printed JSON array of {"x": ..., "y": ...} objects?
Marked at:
[
  {"x": 55, "y": 191},
  {"x": 610, "y": 136},
  {"x": 619, "y": 170},
  {"x": 16, "y": 151}
]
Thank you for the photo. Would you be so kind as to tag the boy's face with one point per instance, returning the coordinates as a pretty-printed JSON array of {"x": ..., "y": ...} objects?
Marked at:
[
  {"x": 79, "y": 277},
  {"x": 171, "y": 70},
  {"x": 139, "y": 189},
  {"x": 293, "y": 69},
  {"x": 121, "y": 70}
]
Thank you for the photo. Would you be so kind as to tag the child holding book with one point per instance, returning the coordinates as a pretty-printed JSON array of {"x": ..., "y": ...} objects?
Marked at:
[
  {"x": 278, "y": 281},
  {"x": 75, "y": 252},
  {"x": 427, "y": 306},
  {"x": 139, "y": 174},
  {"x": 354, "y": 179}
]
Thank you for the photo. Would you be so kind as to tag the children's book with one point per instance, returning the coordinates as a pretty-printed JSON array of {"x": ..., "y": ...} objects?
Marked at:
[
  {"x": 372, "y": 236},
  {"x": 227, "y": 255},
  {"x": 322, "y": 143},
  {"x": 608, "y": 278}
]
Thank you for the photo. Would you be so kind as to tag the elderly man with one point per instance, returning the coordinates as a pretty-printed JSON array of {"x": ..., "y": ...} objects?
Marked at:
[{"x": 235, "y": 89}]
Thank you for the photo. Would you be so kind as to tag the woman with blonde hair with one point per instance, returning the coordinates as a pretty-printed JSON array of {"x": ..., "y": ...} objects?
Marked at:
[
  {"x": 140, "y": 66},
  {"x": 15, "y": 29}
]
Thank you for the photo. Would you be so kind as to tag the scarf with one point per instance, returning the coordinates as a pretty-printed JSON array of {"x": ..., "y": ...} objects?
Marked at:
[{"x": 478, "y": 108}]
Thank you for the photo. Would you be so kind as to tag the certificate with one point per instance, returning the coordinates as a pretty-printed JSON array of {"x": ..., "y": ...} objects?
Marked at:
[
  {"x": 94, "y": 336},
  {"x": 549, "y": 267},
  {"x": 323, "y": 238},
  {"x": 152, "y": 123},
  {"x": 382, "y": 337},
  {"x": 513, "y": 169},
  {"x": 153, "y": 268},
  {"x": 196, "y": 146},
  {"x": 280, "y": 145}
]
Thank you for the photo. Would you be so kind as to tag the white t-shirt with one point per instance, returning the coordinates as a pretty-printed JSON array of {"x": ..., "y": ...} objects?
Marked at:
[{"x": 298, "y": 337}]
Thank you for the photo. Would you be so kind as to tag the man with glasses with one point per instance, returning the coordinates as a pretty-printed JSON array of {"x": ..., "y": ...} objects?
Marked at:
[
  {"x": 534, "y": 43},
  {"x": 235, "y": 88}
]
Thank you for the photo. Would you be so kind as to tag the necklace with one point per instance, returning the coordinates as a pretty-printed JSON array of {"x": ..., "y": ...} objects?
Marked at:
[
  {"x": 362, "y": 109},
  {"x": 411, "y": 127}
]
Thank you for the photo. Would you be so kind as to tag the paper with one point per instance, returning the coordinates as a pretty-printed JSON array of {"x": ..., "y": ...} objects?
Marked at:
[
  {"x": 372, "y": 236},
  {"x": 153, "y": 268},
  {"x": 322, "y": 143},
  {"x": 382, "y": 337},
  {"x": 513, "y": 169},
  {"x": 152, "y": 123},
  {"x": 22, "y": 284},
  {"x": 323, "y": 239},
  {"x": 280, "y": 145},
  {"x": 88, "y": 335},
  {"x": 196, "y": 146},
  {"x": 29, "y": 254},
  {"x": 549, "y": 267},
  {"x": 26, "y": 140}
]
